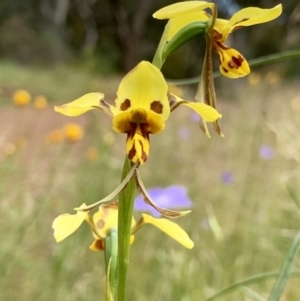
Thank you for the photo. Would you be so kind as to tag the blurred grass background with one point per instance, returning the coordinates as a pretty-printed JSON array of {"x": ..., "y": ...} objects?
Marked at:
[{"x": 245, "y": 187}]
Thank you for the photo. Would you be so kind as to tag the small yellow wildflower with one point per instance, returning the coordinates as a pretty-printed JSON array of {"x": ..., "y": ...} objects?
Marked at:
[
  {"x": 141, "y": 108},
  {"x": 40, "y": 102},
  {"x": 254, "y": 78},
  {"x": 105, "y": 219},
  {"x": 273, "y": 77},
  {"x": 54, "y": 137},
  {"x": 10, "y": 149},
  {"x": 92, "y": 153},
  {"x": 73, "y": 132},
  {"x": 21, "y": 98}
]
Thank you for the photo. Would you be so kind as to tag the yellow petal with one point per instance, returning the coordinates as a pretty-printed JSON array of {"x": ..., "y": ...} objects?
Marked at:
[
  {"x": 180, "y": 22},
  {"x": 66, "y": 224},
  {"x": 97, "y": 245},
  {"x": 138, "y": 146},
  {"x": 106, "y": 218},
  {"x": 181, "y": 8},
  {"x": 171, "y": 229},
  {"x": 81, "y": 105},
  {"x": 232, "y": 63},
  {"x": 252, "y": 16},
  {"x": 122, "y": 121},
  {"x": 208, "y": 113},
  {"x": 144, "y": 87}
]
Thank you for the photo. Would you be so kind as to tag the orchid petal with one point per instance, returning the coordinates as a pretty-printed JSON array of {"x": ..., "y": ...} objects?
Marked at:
[
  {"x": 144, "y": 87},
  {"x": 181, "y": 8},
  {"x": 171, "y": 229},
  {"x": 177, "y": 23},
  {"x": 232, "y": 63},
  {"x": 252, "y": 16},
  {"x": 66, "y": 224},
  {"x": 83, "y": 104}
]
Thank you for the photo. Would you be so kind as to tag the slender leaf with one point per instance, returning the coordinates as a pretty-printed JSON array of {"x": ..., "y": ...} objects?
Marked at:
[
  {"x": 284, "y": 273},
  {"x": 254, "y": 279}
]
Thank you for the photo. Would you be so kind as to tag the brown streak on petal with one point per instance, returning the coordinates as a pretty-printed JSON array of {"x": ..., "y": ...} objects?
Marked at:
[
  {"x": 235, "y": 62},
  {"x": 99, "y": 244},
  {"x": 144, "y": 155},
  {"x": 132, "y": 153},
  {"x": 222, "y": 46},
  {"x": 246, "y": 19},
  {"x": 225, "y": 70},
  {"x": 157, "y": 107},
  {"x": 217, "y": 36},
  {"x": 125, "y": 104}
]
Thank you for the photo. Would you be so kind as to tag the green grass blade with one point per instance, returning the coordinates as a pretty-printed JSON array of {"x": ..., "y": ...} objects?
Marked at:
[
  {"x": 252, "y": 294},
  {"x": 254, "y": 279},
  {"x": 283, "y": 276}
]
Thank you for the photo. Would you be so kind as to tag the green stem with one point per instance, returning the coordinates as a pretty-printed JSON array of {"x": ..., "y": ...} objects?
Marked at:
[
  {"x": 158, "y": 60},
  {"x": 126, "y": 202},
  {"x": 285, "y": 55},
  {"x": 284, "y": 273},
  {"x": 111, "y": 262}
]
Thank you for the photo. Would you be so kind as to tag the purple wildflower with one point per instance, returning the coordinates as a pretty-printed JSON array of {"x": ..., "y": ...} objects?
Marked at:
[
  {"x": 266, "y": 152},
  {"x": 184, "y": 133},
  {"x": 172, "y": 197},
  {"x": 227, "y": 177},
  {"x": 195, "y": 116}
]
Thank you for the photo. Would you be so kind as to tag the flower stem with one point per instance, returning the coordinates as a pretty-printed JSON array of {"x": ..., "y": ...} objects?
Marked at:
[{"x": 126, "y": 202}]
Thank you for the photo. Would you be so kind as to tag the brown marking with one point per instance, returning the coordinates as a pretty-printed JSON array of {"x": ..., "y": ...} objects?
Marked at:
[
  {"x": 222, "y": 46},
  {"x": 125, "y": 104},
  {"x": 246, "y": 19},
  {"x": 99, "y": 244},
  {"x": 132, "y": 153},
  {"x": 217, "y": 36},
  {"x": 225, "y": 70},
  {"x": 100, "y": 224},
  {"x": 144, "y": 155},
  {"x": 236, "y": 62},
  {"x": 139, "y": 117},
  {"x": 157, "y": 107}
]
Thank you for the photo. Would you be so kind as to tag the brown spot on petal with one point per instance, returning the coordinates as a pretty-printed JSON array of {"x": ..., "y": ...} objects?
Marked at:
[
  {"x": 235, "y": 62},
  {"x": 100, "y": 224},
  {"x": 156, "y": 106},
  {"x": 125, "y": 104}
]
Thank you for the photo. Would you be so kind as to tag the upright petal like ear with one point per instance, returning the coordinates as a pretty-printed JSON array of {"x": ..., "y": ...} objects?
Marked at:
[
  {"x": 171, "y": 229},
  {"x": 181, "y": 8},
  {"x": 144, "y": 87},
  {"x": 253, "y": 15},
  {"x": 83, "y": 104},
  {"x": 66, "y": 224},
  {"x": 177, "y": 23}
]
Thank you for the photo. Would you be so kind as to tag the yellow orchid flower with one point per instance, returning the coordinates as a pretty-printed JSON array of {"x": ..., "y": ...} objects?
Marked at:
[
  {"x": 141, "y": 108},
  {"x": 106, "y": 219},
  {"x": 232, "y": 63}
]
